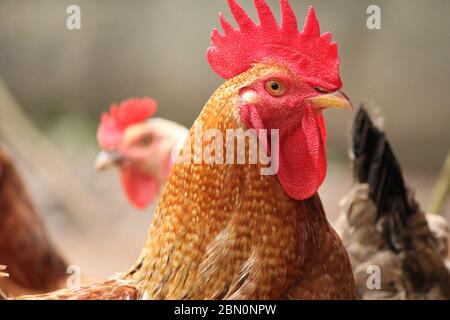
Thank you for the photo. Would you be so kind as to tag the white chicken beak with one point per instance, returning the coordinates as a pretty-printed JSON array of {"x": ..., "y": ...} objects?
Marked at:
[
  {"x": 107, "y": 159},
  {"x": 336, "y": 100}
]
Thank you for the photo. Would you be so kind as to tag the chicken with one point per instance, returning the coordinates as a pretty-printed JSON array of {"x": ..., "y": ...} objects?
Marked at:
[
  {"x": 384, "y": 228},
  {"x": 34, "y": 265},
  {"x": 141, "y": 146},
  {"x": 234, "y": 230}
]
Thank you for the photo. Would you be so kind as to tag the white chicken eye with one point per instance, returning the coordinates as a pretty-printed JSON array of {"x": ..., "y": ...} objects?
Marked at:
[
  {"x": 145, "y": 140},
  {"x": 275, "y": 88}
]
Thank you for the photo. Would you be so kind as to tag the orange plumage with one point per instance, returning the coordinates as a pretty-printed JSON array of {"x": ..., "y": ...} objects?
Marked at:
[
  {"x": 227, "y": 232},
  {"x": 224, "y": 231}
]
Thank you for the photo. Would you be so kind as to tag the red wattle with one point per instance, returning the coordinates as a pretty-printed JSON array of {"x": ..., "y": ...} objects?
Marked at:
[
  {"x": 140, "y": 188},
  {"x": 303, "y": 163}
]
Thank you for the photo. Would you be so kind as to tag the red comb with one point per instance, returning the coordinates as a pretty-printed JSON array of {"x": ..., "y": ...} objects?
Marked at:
[
  {"x": 113, "y": 124},
  {"x": 310, "y": 55}
]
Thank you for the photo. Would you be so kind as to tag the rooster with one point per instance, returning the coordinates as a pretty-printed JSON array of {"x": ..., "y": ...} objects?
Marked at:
[
  {"x": 382, "y": 225},
  {"x": 141, "y": 146},
  {"x": 225, "y": 231},
  {"x": 33, "y": 263}
]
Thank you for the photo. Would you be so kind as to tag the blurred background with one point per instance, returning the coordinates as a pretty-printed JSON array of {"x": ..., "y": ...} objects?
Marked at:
[{"x": 56, "y": 82}]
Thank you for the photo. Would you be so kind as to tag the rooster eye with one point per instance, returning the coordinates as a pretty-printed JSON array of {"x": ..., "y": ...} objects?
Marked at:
[
  {"x": 320, "y": 90},
  {"x": 275, "y": 88}
]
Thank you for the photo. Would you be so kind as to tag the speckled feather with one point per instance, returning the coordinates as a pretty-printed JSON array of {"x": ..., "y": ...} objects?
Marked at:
[
  {"x": 381, "y": 224},
  {"x": 108, "y": 290},
  {"x": 227, "y": 232}
]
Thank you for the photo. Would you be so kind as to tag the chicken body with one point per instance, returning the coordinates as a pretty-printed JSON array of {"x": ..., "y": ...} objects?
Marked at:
[
  {"x": 227, "y": 231},
  {"x": 32, "y": 262},
  {"x": 422, "y": 272},
  {"x": 234, "y": 233},
  {"x": 383, "y": 226}
]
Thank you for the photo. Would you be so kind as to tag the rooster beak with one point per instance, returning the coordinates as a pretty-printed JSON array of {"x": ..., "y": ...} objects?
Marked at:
[
  {"x": 336, "y": 100},
  {"x": 107, "y": 159}
]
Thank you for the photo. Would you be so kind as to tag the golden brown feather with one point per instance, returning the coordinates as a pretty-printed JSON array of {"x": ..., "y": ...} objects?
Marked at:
[
  {"x": 33, "y": 263},
  {"x": 227, "y": 232},
  {"x": 107, "y": 290}
]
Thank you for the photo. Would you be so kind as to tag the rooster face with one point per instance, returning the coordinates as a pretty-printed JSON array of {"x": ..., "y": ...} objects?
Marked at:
[
  {"x": 144, "y": 148},
  {"x": 277, "y": 99},
  {"x": 143, "y": 157},
  {"x": 273, "y": 97}
]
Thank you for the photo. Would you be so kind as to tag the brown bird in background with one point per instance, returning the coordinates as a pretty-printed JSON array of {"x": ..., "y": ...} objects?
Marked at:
[
  {"x": 237, "y": 230},
  {"x": 383, "y": 226},
  {"x": 33, "y": 264}
]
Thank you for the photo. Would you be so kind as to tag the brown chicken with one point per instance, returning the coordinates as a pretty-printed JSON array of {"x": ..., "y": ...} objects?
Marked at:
[
  {"x": 233, "y": 230},
  {"x": 33, "y": 264}
]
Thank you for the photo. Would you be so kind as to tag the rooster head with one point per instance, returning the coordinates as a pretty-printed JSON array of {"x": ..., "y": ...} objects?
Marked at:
[{"x": 286, "y": 79}]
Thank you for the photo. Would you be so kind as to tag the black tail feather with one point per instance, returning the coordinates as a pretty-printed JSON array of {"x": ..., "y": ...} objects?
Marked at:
[{"x": 376, "y": 165}]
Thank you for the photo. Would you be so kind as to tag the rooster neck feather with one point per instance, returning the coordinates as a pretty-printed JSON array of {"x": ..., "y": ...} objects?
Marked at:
[{"x": 232, "y": 233}]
